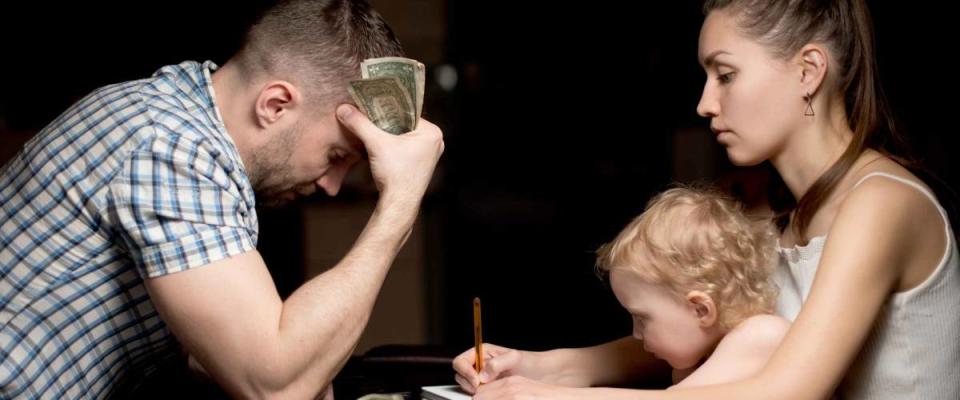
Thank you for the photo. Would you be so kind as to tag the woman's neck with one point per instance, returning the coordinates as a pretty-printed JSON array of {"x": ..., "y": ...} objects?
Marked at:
[{"x": 811, "y": 151}]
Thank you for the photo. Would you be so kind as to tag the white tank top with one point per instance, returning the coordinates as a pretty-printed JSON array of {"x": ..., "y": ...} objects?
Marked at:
[{"x": 913, "y": 351}]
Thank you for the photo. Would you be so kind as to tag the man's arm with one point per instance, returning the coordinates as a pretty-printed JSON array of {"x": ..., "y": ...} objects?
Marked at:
[{"x": 229, "y": 316}]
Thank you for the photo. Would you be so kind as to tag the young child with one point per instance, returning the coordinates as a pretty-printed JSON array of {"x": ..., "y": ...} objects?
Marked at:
[{"x": 694, "y": 272}]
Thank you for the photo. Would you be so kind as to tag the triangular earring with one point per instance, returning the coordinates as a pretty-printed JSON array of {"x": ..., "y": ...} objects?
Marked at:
[{"x": 809, "y": 111}]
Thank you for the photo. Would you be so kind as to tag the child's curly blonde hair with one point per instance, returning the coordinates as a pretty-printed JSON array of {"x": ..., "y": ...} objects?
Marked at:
[{"x": 699, "y": 239}]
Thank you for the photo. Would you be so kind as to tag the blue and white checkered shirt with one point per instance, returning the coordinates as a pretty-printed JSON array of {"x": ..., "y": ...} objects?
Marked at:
[{"x": 135, "y": 181}]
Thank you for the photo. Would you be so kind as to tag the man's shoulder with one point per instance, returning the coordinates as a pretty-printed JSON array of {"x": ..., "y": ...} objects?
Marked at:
[
  {"x": 180, "y": 105},
  {"x": 178, "y": 96}
]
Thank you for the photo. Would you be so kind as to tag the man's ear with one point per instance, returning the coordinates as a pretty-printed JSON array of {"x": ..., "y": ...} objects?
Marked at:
[
  {"x": 276, "y": 99},
  {"x": 704, "y": 308}
]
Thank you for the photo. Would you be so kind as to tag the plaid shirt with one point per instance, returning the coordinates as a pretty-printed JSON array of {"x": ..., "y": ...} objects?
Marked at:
[{"x": 135, "y": 181}]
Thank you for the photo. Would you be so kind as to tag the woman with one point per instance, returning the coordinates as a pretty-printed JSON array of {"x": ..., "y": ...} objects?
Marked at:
[{"x": 869, "y": 267}]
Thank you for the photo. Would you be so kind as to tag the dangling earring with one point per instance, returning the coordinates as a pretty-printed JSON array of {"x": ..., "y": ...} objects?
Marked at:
[{"x": 809, "y": 111}]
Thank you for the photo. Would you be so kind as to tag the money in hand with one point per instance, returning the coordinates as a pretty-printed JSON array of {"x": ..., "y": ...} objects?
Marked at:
[{"x": 391, "y": 92}]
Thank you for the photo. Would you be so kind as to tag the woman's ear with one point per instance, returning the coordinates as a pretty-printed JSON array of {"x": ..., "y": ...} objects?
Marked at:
[{"x": 813, "y": 68}]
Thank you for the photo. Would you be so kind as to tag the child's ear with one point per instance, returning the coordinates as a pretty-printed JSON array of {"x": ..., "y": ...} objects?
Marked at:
[{"x": 704, "y": 307}]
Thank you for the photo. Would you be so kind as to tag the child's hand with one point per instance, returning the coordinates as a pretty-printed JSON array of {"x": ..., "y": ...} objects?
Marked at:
[
  {"x": 498, "y": 362},
  {"x": 518, "y": 387}
]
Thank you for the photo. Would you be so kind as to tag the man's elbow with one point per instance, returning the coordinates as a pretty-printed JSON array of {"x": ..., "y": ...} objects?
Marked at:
[
  {"x": 274, "y": 380},
  {"x": 292, "y": 390}
]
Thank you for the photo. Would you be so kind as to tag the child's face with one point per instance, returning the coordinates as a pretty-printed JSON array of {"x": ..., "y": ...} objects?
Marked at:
[{"x": 669, "y": 328}]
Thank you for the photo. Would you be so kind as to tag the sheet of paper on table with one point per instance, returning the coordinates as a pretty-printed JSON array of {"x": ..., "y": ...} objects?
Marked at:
[{"x": 447, "y": 392}]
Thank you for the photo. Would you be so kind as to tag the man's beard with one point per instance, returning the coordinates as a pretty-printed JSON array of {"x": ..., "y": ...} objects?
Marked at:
[
  {"x": 284, "y": 198},
  {"x": 270, "y": 171}
]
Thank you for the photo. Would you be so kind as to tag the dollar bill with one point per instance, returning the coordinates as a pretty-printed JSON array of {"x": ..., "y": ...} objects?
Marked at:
[
  {"x": 391, "y": 92},
  {"x": 412, "y": 74},
  {"x": 386, "y": 103}
]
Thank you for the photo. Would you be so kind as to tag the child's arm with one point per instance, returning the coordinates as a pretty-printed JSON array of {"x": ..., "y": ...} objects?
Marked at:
[
  {"x": 618, "y": 362},
  {"x": 742, "y": 353}
]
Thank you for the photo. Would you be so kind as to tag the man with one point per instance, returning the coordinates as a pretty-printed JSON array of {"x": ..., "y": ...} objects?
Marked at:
[{"x": 128, "y": 226}]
